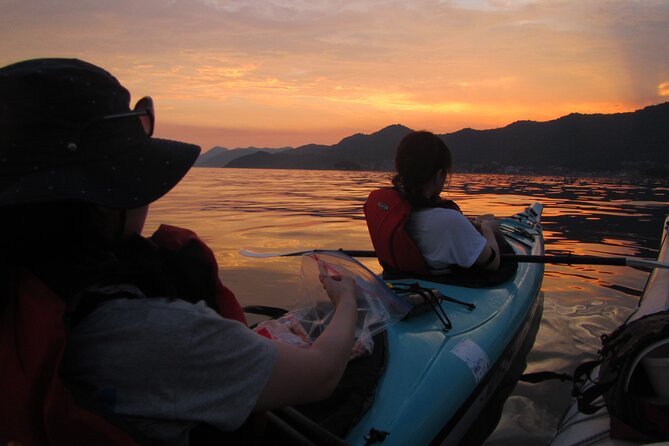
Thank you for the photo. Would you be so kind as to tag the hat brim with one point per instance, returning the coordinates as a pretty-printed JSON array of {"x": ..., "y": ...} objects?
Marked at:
[{"x": 132, "y": 179}]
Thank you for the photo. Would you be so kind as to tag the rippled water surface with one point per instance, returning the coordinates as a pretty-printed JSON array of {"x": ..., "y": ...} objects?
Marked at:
[{"x": 279, "y": 210}]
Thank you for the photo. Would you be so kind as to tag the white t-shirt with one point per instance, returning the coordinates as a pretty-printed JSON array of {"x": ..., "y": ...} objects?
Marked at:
[
  {"x": 445, "y": 237},
  {"x": 167, "y": 365}
]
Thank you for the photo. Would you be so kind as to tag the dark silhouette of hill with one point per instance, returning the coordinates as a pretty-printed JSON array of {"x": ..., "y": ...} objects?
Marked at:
[
  {"x": 575, "y": 142},
  {"x": 220, "y": 156},
  {"x": 615, "y": 143},
  {"x": 356, "y": 152}
]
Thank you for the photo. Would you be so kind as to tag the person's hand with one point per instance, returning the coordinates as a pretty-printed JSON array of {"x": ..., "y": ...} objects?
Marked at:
[
  {"x": 487, "y": 220},
  {"x": 338, "y": 287},
  {"x": 492, "y": 224},
  {"x": 484, "y": 217}
]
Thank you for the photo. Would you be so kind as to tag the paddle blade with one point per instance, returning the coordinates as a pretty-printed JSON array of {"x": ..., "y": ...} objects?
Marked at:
[
  {"x": 299, "y": 252},
  {"x": 265, "y": 255}
]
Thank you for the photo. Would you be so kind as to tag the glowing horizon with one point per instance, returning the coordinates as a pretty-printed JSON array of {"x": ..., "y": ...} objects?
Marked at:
[{"x": 277, "y": 73}]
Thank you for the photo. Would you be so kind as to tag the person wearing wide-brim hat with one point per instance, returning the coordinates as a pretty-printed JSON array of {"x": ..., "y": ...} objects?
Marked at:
[{"x": 78, "y": 169}]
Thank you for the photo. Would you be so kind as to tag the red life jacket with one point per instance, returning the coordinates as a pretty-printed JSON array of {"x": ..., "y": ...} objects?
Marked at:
[
  {"x": 36, "y": 408},
  {"x": 386, "y": 213}
]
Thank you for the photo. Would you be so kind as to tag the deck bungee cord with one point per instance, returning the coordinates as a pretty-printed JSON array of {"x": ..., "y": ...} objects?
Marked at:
[{"x": 431, "y": 297}]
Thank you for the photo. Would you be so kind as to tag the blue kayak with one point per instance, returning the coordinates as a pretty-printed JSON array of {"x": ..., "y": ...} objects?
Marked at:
[{"x": 439, "y": 382}]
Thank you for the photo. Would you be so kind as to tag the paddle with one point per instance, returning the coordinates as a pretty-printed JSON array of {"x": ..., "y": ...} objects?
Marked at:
[
  {"x": 568, "y": 259},
  {"x": 264, "y": 255}
]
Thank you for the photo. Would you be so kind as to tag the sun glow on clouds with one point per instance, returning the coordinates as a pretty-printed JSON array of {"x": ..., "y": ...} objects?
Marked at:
[
  {"x": 388, "y": 101},
  {"x": 333, "y": 67},
  {"x": 663, "y": 89}
]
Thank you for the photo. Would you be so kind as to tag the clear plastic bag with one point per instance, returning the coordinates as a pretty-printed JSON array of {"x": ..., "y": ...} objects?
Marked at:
[{"x": 378, "y": 306}]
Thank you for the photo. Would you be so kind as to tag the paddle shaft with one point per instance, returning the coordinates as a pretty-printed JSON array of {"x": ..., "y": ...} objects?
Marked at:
[
  {"x": 567, "y": 259},
  {"x": 588, "y": 260}
]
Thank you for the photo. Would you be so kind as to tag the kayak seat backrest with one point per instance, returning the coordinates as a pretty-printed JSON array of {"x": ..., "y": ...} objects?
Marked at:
[{"x": 386, "y": 214}]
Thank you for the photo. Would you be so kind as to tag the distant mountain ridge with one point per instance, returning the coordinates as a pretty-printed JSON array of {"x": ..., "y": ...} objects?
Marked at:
[
  {"x": 220, "y": 156},
  {"x": 616, "y": 143}
]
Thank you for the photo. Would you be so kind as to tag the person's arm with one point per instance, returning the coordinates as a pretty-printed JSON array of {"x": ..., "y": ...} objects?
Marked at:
[
  {"x": 303, "y": 375},
  {"x": 489, "y": 259}
]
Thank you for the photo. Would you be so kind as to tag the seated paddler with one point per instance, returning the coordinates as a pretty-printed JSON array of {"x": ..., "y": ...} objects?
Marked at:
[
  {"x": 416, "y": 231},
  {"x": 108, "y": 336}
]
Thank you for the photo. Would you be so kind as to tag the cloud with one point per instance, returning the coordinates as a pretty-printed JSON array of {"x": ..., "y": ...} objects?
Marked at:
[
  {"x": 277, "y": 10},
  {"x": 489, "y": 5},
  {"x": 663, "y": 89}
]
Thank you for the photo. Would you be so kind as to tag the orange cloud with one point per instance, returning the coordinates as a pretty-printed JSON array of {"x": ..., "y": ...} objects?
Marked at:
[{"x": 663, "y": 89}]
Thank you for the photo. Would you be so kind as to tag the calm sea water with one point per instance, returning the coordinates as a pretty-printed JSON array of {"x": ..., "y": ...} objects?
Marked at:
[{"x": 279, "y": 210}]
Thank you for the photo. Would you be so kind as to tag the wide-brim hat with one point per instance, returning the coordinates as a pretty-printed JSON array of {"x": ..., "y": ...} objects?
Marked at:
[{"x": 50, "y": 151}]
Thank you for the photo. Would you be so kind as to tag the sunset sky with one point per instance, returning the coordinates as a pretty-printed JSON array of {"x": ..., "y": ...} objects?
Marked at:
[{"x": 274, "y": 73}]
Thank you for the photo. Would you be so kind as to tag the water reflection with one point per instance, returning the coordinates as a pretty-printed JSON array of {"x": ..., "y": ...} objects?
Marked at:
[{"x": 287, "y": 209}]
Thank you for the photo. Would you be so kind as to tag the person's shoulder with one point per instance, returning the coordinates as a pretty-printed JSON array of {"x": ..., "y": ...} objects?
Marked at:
[
  {"x": 436, "y": 219},
  {"x": 439, "y": 213},
  {"x": 159, "y": 304},
  {"x": 153, "y": 311}
]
